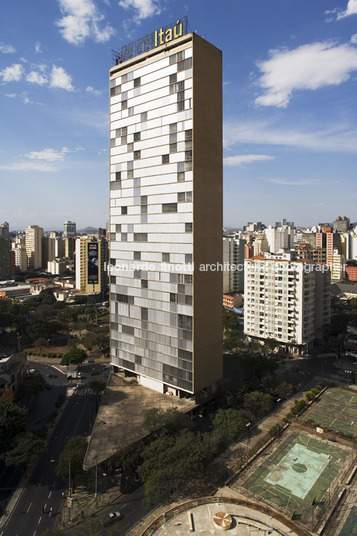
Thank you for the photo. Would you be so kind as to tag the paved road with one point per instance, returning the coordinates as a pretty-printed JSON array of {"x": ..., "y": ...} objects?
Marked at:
[
  {"x": 130, "y": 506},
  {"x": 44, "y": 489}
]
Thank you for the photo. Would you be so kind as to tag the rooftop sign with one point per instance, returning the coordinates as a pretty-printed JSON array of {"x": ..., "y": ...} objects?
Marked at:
[{"x": 158, "y": 37}]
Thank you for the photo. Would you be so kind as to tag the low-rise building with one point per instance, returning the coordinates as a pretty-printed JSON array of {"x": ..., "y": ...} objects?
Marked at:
[{"x": 13, "y": 370}]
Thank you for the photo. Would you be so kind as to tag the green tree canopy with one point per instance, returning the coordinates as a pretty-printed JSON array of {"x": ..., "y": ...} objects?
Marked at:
[
  {"x": 230, "y": 422},
  {"x": 13, "y": 421},
  {"x": 170, "y": 421},
  {"x": 32, "y": 385},
  {"x": 74, "y": 356},
  {"x": 169, "y": 463},
  {"x": 258, "y": 403},
  {"x": 26, "y": 446},
  {"x": 72, "y": 455}
]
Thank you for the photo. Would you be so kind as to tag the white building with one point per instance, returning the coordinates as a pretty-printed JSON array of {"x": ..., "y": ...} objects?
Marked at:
[
  {"x": 286, "y": 300},
  {"x": 280, "y": 238},
  {"x": 166, "y": 213}
]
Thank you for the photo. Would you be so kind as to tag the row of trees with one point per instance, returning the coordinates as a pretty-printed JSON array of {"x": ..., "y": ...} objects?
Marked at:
[{"x": 17, "y": 444}]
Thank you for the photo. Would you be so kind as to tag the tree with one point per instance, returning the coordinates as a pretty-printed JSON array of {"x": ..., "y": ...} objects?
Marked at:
[
  {"x": 258, "y": 403},
  {"x": 74, "y": 356},
  {"x": 40, "y": 343},
  {"x": 26, "y": 446},
  {"x": 32, "y": 385},
  {"x": 232, "y": 339},
  {"x": 13, "y": 421},
  {"x": 230, "y": 422},
  {"x": 170, "y": 421},
  {"x": 72, "y": 456},
  {"x": 168, "y": 465},
  {"x": 103, "y": 343}
]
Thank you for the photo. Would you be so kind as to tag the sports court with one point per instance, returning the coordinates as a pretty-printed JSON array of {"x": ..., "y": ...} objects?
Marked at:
[
  {"x": 297, "y": 474},
  {"x": 350, "y": 526},
  {"x": 336, "y": 411}
]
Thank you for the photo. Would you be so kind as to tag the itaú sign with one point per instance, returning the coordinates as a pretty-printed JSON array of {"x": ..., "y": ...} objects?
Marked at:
[{"x": 158, "y": 37}]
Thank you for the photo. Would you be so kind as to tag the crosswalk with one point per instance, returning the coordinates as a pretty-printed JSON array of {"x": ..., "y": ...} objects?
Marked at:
[{"x": 85, "y": 390}]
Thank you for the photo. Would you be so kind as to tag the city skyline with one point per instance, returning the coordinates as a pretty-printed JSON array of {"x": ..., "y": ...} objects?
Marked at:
[{"x": 289, "y": 106}]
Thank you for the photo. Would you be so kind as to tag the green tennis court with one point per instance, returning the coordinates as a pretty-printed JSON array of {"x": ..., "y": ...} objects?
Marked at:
[
  {"x": 296, "y": 476},
  {"x": 350, "y": 526},
  {"x": 336, "y": 411}
]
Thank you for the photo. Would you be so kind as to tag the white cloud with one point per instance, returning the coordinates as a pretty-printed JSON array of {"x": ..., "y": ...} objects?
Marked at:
[
  {"x": 96, "y": 92},
  {"x": 309, "y": 66},
  {"x": 22, "y": 96},
  {"x": 354, "y": 39},
  {"x": 238, "y": 160},
  {"x": 143, "y": 8},
  {"x": 286, "y": 182},
  {"x": 60, "y": 79},
  {"x": 38, "y": 161},
  {"x": 13, "y": 73},
  {"x": 338, "y": 137},
  {"x": 351, "y": 10},
  {"x": 35, "y": 77},
  {"x": 81, "y": 20},
  {"x": 7, "y": 49},
  {"x": 38, "y": 47},
  {"x": 49, "y": 154},
  {"x": 29, "y": 166}
]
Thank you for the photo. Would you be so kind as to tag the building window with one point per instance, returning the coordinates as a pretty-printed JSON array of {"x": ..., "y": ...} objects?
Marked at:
[
  {"x": 117, "y": 230},
  {"x": 173, "y": 78},
  {"x": 144, "y": 313},
  {"x": 188, "y": 259},
  {"x": 124, "y": 210},
  {"x": 173, "y": 128},
  {"x": 165, "y": 158},
  {"x": 130, "y": 174},
  {"x": 131, "y": 111},
  {"x": 136, "y": 136},
  {"x": 137, "y": 155},
  {"x": 181, "y": 176},
  {"x": 166, "y": 257},
  {"x": 173, "y": 138},
  {"x": 123, "y": 140},
  {"x": 169, "y": 207},
  {"x": 124, "y": 237},
  {"x": 130, "y": 147},
  {"x": 115, "y": 91},
  {"x": 188, "y": 135},
  {"x": 180, "y": 106},
  {"x": 137, "y": 255},
  {"x": 112, "y": 142},
  {"x": 124, "y": 104},
  {"x": 188, "y": 227},
  {"x": 173, "y": 147},
  {"x": 140, "y": 237},
  {"x": 188, "y": 156},
  {"x": 115, "y": 185},
  {"x": 143, "y": 116},
  {"x": 143, "y": 204},
  {"x": 137, "y": 82},
  {"x": 144, "y": 283},
  {"x": 183, "y": 197},
  {"x": 184, "y": 64}
]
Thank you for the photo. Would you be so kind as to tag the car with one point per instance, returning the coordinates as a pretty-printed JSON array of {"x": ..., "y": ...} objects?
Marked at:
[
  {"x": 52, "y": 375},
  {"x": 113, "y": 517},
  {"x": 32, "y": 370}
]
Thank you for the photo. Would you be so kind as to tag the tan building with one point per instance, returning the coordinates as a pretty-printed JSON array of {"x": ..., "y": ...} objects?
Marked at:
[
  {"x": 166, "y": 212},
  {"x": 90, "y": 264},
  {"x": 33, "y": 245}
]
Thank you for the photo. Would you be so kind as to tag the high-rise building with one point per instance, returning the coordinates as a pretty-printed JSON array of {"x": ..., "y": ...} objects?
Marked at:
[
  {"x": 91, "y": 259},
  {"x": 33, "y": 244},
  {"x": 4, "y": 230},
  {"x": 69, "y": 229},
  {"x": 341, "y": 224},
  {"x": 286, "y": 300},
  {"x": 233, "y": 261},
  {"x": 166, "y": 213}
]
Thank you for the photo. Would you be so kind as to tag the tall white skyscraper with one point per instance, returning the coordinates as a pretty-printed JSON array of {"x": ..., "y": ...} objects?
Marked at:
[{"x": 166, "y": 213}]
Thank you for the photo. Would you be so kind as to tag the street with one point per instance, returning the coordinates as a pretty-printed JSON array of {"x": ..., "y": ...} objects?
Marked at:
[{"x": 43, "y": 492}]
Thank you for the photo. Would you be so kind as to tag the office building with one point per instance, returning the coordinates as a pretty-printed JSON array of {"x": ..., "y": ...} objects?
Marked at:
[
  {"x": 33, "y": 245},
  {"x": 90, "y": 264},
  {"x": 166, "y": 212},
  {"x": 286, "y": 300},
  {"x": 233, "y": 261},
  {"x": 341, "y": 224},
  {"x": 69, "y": 229}
]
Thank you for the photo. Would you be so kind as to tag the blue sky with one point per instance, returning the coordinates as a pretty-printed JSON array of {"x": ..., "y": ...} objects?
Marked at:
[{"x": 290, "y": 105}]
